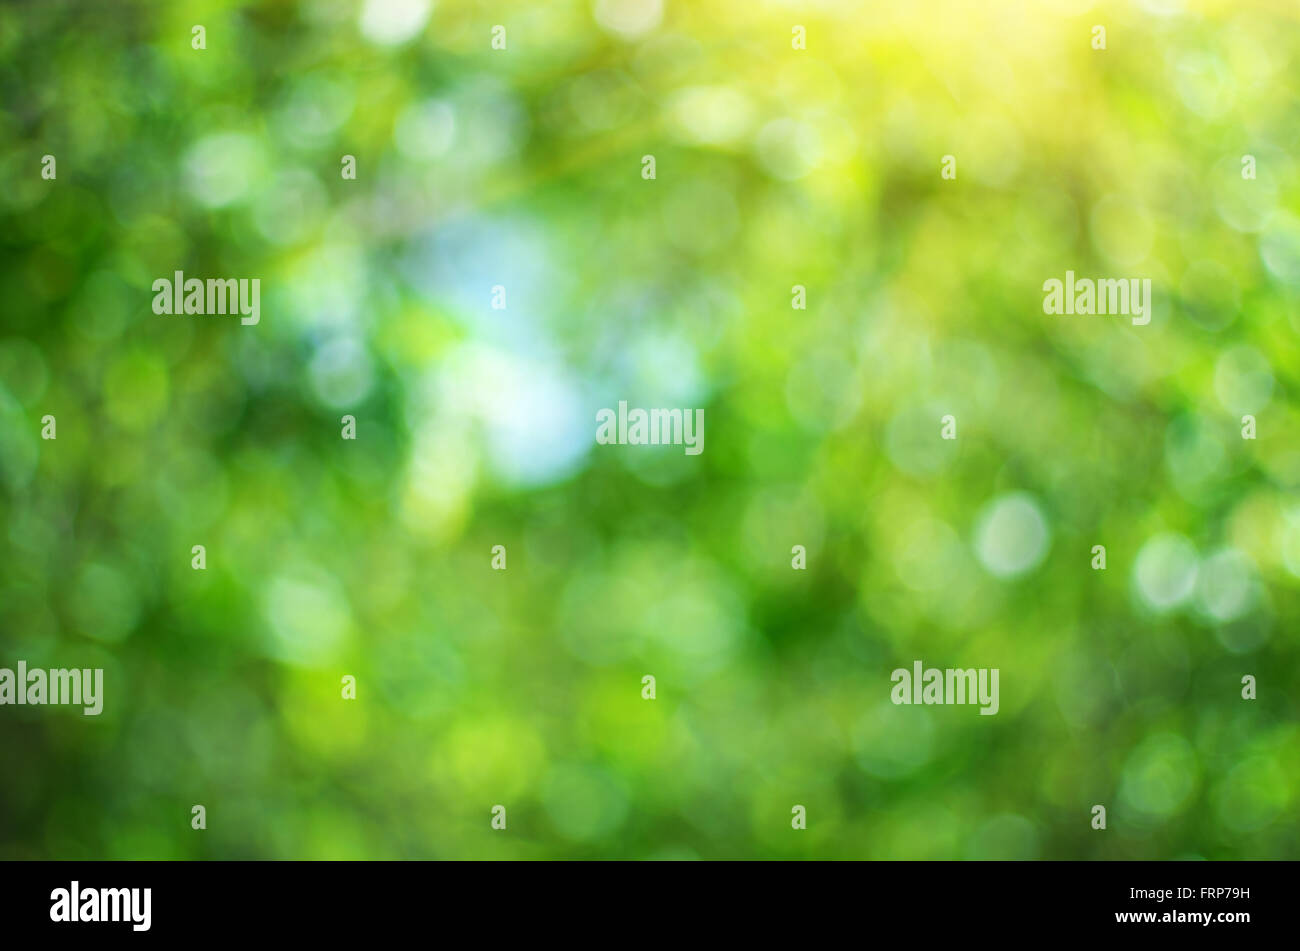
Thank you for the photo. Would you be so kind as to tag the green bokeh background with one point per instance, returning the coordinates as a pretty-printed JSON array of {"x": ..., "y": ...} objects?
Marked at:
[{"x": 775, "y": 167}]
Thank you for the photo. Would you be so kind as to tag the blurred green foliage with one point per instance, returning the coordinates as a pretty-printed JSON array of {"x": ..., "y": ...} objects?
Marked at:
[{"x": 775, "y": 167}]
